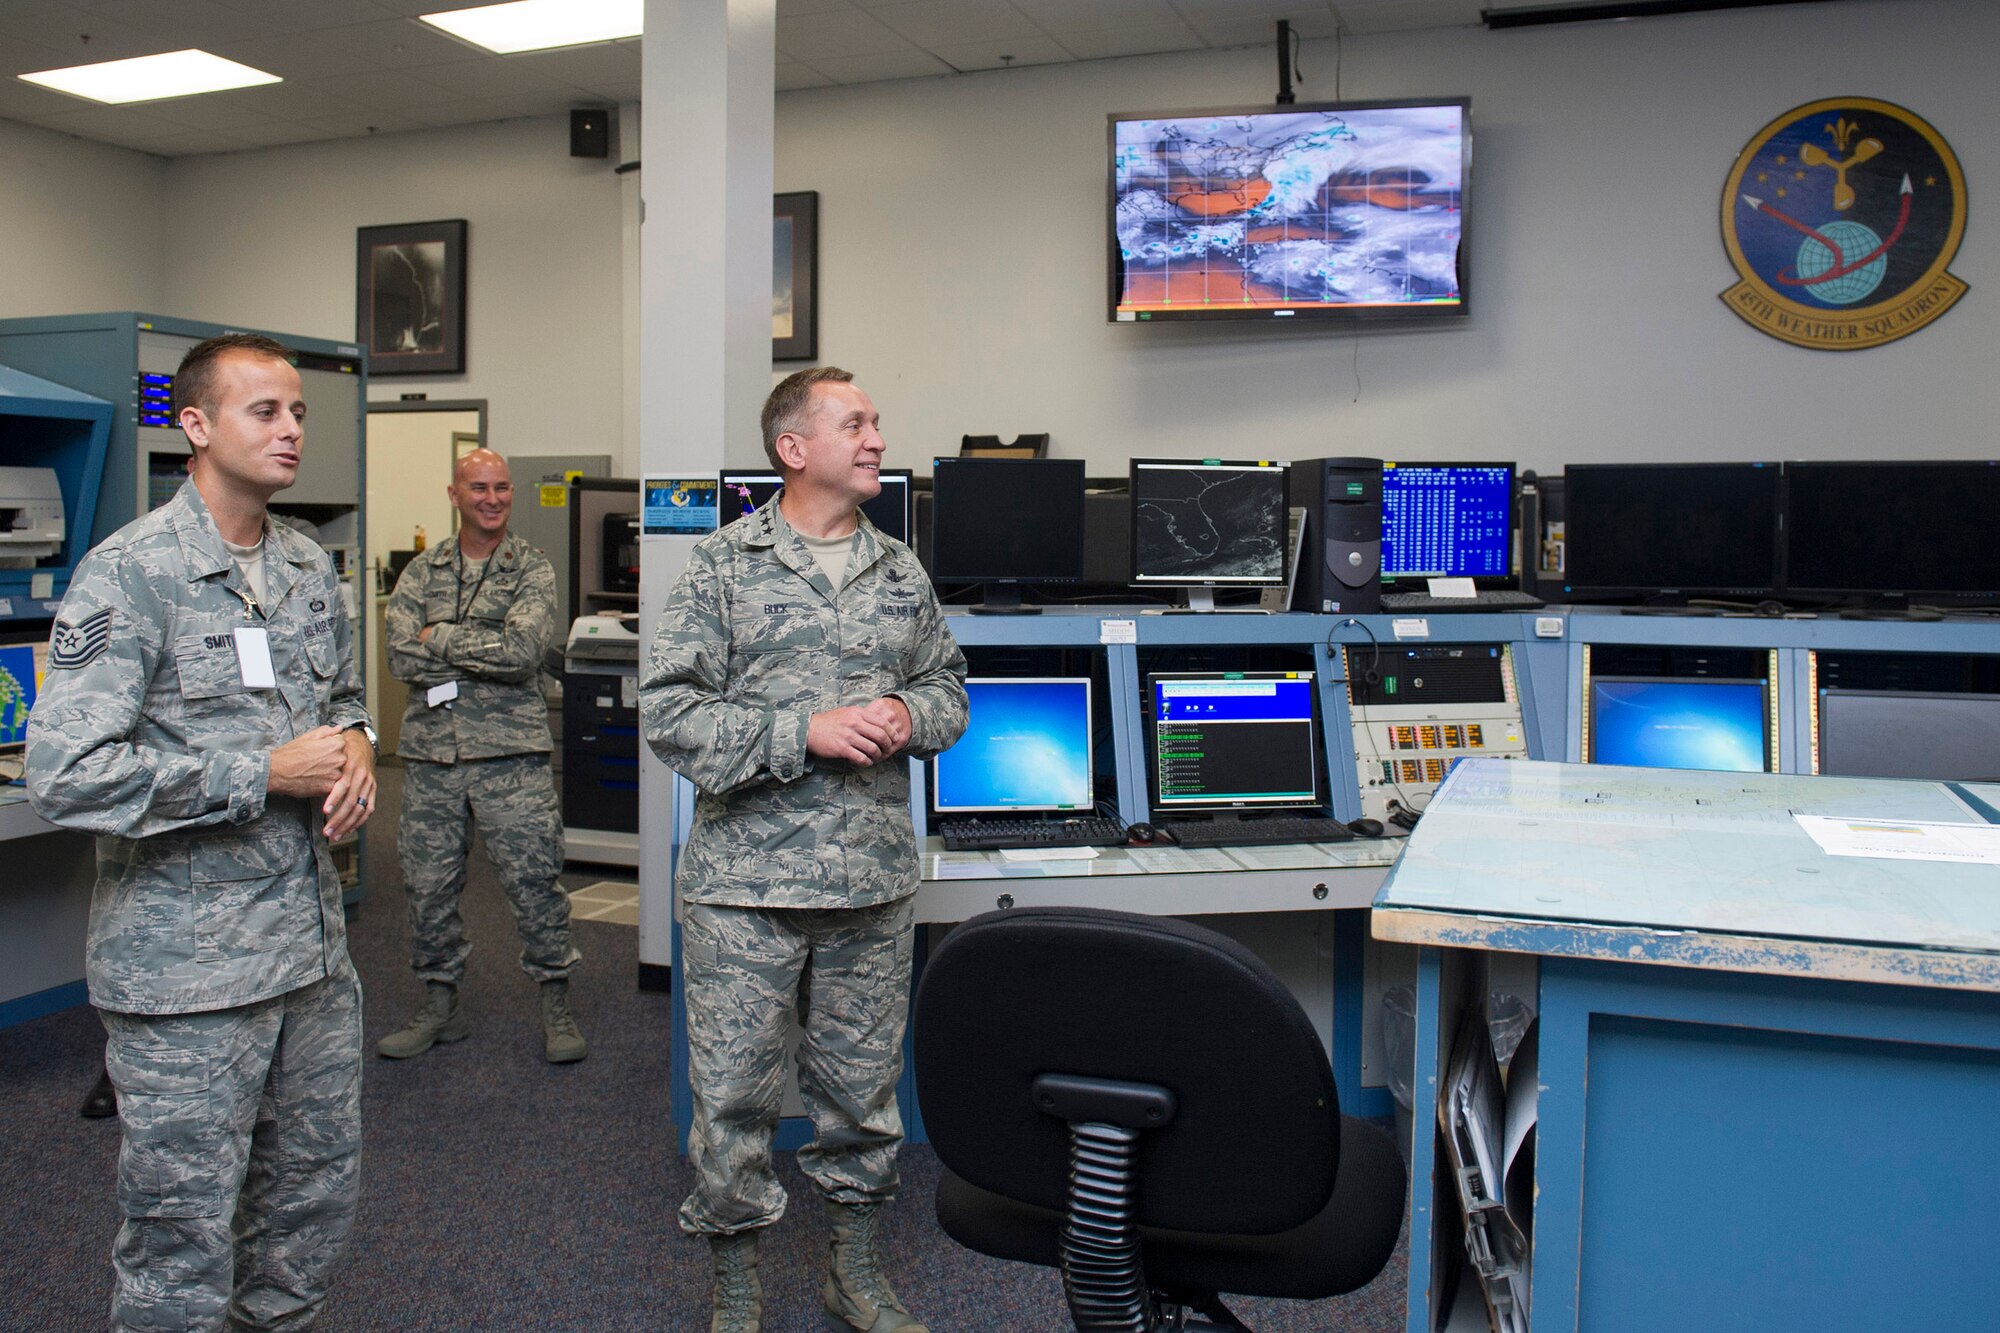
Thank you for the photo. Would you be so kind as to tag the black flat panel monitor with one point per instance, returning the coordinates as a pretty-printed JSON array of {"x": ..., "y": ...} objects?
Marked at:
[
  {"x": 1447, "y": 520},
  {"x": 1920, "y": 528},
  {"x": 1236, "y": 740},
  {"x": 1345, "y": 209},
  {"x": 1896, "y": 734},
  {"x": 1207, "y": 523},
  {"x": 1642, "y": 529},
  {"x": 753, "y": 488},
  {"x": 1007, "y": 522},
  {"x": 1680, "y": 722},
  {"x": 1026, "y": 747}
]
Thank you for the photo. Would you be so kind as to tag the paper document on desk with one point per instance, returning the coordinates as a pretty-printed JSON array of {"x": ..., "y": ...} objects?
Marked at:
[
  {"x": 1904, "y": 840},
  {"x": 1049, "y": 853}
]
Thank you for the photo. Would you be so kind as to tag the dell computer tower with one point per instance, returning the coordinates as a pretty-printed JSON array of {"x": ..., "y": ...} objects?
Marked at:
[{"x": 1341, "y": 571}]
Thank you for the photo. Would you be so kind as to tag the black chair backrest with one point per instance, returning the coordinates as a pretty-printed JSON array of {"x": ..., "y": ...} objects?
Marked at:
[{"x": 1009, "y": 995}]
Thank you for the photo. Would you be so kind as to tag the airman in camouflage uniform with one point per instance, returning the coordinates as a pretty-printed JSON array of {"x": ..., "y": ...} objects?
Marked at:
[
  {"x": 216, "y": 952},
  {"x": 800, "y": 662},
  {"x": 468, "y": 627}
]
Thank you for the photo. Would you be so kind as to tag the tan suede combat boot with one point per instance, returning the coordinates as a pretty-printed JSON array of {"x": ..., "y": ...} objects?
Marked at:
[
  {"x": 856, "y": 1292},
  {"x": 440, "y": 1019},
  {"x": 739, "y": 1297},
  {"x": 562, "y": 1040}
]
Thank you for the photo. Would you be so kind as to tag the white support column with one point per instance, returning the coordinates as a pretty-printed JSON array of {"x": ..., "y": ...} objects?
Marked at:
[{"x": 704, "y": 306}]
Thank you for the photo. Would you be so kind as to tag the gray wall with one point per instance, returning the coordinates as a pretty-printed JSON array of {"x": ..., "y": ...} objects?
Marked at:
[
  {"x": 963, "y": 254},
  {"x": 80, "y": 225}
]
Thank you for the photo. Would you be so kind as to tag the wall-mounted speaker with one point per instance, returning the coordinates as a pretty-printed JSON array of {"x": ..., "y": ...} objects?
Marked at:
[{"x": 589, "y": 132}]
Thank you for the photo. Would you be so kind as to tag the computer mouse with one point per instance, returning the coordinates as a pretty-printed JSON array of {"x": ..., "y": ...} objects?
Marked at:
[
  {"x": 1365, "y": 827},
  {"x": 1139, "y": 835},
  {"x": 1164, "y": 835}
]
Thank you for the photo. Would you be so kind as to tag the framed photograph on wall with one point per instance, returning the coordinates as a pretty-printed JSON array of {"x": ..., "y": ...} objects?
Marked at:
[
  {"x": 409, "y": 297},
  {"x": 795, "y": 276}
]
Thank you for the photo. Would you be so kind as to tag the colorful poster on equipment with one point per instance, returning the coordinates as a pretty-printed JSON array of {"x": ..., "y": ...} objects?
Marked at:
[
  {"x": 678, "y": 506},
  {"x": 1841, "y": 217}
]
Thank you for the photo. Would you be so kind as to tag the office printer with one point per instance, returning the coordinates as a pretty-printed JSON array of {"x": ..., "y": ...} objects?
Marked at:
[
  {"x": 606, "y": 640},
  {"x": 31, "y": 516}
]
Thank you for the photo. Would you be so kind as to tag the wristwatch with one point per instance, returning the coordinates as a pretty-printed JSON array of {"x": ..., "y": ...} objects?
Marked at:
[{"x": 368, "y": 731}]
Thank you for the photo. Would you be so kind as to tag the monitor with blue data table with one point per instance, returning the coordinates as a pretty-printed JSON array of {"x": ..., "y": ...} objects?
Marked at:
[
  {"x": 1679, "y": 722},
  {"x": 1447, "y": 520},
  {"x": 1234, "y": 740},
  {"x": 1026, "y": 747}
]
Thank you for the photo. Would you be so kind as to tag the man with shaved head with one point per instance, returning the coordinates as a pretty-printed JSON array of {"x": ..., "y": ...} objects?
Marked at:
[{"x": 469, "y": 624}]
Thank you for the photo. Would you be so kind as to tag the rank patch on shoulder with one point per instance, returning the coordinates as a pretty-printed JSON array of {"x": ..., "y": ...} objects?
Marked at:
[{"x": 79, "y": 644}]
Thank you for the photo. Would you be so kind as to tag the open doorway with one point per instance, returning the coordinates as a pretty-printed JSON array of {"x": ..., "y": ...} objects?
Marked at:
[{"x": 412, "y": 447}]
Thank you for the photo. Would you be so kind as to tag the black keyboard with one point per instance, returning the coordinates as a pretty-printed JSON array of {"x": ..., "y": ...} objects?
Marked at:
[
  {"x": 1490, "y": 599},
  {"x": 1259, "y": 832},
  {"x": 981, "y": 835}
]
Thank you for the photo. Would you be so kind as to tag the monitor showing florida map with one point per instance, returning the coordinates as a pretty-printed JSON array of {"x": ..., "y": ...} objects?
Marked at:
[{"x": 1352, "y": 208}]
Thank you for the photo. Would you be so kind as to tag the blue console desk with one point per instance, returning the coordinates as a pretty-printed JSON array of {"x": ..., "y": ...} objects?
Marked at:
[{"x": 1769, "y": 1077}]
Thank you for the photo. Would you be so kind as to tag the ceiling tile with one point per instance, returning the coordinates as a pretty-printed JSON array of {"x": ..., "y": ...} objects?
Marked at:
[
  {"x": 302, "y": 100},
  {"x": 791, "y": 8},
  {"x": 201, "y": 23},
  {"x": 20, "y": 101},
  {"x": 1253, "y": 30},
  {"x": 935, "y": 23},
  {"x": 393, "y": 89},
  {"x": 1250, "y": 9},
  {"x": 76, "y": 37},
  {"x": 300, "y": 55},
  {"x": 551, "y": 103},
  {"x": 1402, "y": 15},
  {"x": 1005, "y": 53},
  {"x": 793, "y": 76},
  {"x": 1064, "y": 16},
  {"x": 359, "y": 124},
  {"x": 279, "y": 133},
  {"x": 208, "y": 113},
  {"x": 876, "y": 68},
  {"x": 111, "y": 123},
  {"x": 191, "y": 142},
  {"x": 1147, "y": 39},
  {"x": 301, "y": 15},
  {"x": 583, "y": 66},
  {"x": 625, "y": 90},
  {"x": 459, "y": 111},
  {"x": 400, "y": 43},
  {"x": 815, "y": 38},
  {"x": 503, "y": 76}
]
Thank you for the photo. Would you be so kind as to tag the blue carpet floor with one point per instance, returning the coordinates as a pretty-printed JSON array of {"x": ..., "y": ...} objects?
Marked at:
[{"x": 499, "y": 1192}]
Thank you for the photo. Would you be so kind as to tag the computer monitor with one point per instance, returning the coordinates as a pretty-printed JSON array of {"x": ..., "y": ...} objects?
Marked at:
[
  {"x": 1882, "y": 529},
  {"x": 889, "y": 509},
  {"x": 1206, "y": 523},
  {"x": 1680, "y": 722},
  {"x": 1447, "y": 520},
  {"x": 1234, "y": 740},
  {"x": 1642, "y": 529},
  {"x": 1006, "y": 522},
  {"x": 17, "y": 694},
  {"x": 1897, "y": 734},
  {"x": 1026, "y": 747}
]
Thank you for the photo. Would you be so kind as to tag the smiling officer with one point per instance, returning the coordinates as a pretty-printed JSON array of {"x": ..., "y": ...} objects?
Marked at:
[{"x": 202, "y": 716}]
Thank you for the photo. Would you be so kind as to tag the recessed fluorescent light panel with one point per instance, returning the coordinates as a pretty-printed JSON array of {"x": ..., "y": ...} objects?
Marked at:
[
  {"x": 537, "y": 25},
  {"x": 150, "y": 78}
]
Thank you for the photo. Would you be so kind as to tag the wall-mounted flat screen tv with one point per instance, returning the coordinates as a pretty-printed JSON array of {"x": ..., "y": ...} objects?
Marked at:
[{"x": 1290, "y": 212}]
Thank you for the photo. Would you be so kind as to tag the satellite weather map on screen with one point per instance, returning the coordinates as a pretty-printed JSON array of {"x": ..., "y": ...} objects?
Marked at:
[{"x": 1352, "y": 209}]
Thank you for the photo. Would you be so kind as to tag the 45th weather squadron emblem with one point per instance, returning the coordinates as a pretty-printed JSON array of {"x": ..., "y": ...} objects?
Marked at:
[{"x": 1841, "y": 216}]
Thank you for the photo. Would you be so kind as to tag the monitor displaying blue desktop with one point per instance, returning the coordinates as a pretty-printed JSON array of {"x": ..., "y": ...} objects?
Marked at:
[
  {"x": 1026, "y": 747},
  {"x": 1234, "y": 740},
  {"x": 1447, "y": 520},
  {"x": 1681, "y": 722},
  {"x": 17, "y": 693},
  {"x": 753, "y": 488}
]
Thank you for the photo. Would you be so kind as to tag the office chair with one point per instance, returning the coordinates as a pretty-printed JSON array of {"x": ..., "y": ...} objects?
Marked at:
[
  {"x": 1141, "y": 1103},
  {"x": 989, "y": 446}
]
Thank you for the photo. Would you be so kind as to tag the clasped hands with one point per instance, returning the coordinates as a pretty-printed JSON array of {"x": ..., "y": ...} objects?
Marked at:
[
  {"x": 861, "y": 734},
  {"x": 336, "y": 764}
]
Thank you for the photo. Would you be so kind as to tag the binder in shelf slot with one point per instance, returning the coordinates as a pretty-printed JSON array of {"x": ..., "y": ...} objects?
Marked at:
[{"x": 1474, "y": 1113}]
